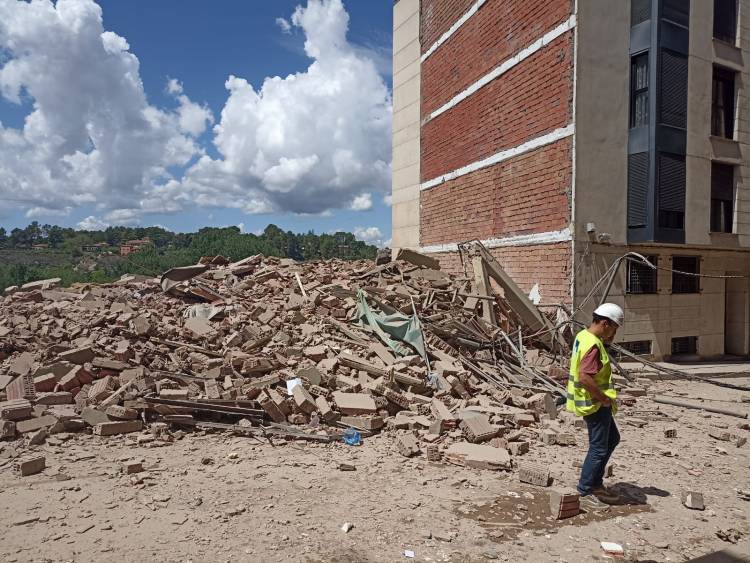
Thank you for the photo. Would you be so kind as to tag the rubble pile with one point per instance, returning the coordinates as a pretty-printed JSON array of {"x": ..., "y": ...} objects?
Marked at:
[{"x": 321, "y": 351}]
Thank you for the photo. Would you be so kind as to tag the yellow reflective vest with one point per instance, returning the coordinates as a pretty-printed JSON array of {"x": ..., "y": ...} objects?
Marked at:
[{"x": 579, "y": 400}]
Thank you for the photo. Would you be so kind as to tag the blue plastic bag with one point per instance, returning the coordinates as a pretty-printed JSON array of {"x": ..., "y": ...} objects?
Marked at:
[{"x": 352, "y": 437}]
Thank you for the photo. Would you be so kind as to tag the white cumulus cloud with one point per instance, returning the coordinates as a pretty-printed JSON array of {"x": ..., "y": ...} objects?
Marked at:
[
  {"x": 371, "y": 235},
  {"x": 307, "y": 142},
  {"x": 284, "y": 25},
  {"x": 91, "y": 135},
  {"x": 304, "y": 143},
  {"x": 91, "y": 223},
  {"x": 362, "y": 202},
  {"x": 193, "y": 118}
]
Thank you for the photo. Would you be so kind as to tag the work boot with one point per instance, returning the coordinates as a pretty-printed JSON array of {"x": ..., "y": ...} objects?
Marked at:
[
  {"x": 590, "y": 503},
  {"x": 606, "y": 495}
]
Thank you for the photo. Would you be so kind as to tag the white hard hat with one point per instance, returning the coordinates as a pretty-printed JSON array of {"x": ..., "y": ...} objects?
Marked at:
[{"x": 612, "y": 312}]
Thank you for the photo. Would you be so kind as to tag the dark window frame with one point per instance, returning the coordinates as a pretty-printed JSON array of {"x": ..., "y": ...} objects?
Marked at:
[
  {"x": 686, "y": 284},
  {"x": 726, "y": 20},
  {"x": 723, "y": 102},
  {"x": 637, "y": 347},
  {"x": 684, "y": 345},
  {"x": 676, "y": 12},
  {"x": 640, "y": 11},
  {"x": 671, "y": 190},
  {"x": 639, "y": 90},
  {"x": 641, "y": 279},
  {"x": 722, "y": 198}
]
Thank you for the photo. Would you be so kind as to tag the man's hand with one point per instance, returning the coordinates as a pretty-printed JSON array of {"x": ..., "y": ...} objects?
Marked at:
[{"x": 590, "y": 385}]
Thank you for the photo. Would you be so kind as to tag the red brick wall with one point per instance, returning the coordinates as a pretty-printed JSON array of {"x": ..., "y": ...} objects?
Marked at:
[
  {"x": 495, "y": 33},
  {"x": 437, "y": 16},
  {"x": 526, "y": 194},
  {"x": 533, "y": 98},
  {"x": 549, "y": 265}
]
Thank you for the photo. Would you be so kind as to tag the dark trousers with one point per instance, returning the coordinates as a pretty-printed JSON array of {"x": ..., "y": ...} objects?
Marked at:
[{"x": 603, "y": 439}]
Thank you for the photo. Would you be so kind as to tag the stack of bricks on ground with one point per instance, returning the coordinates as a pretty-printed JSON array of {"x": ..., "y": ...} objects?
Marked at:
[{"x": 273, "y": 347}]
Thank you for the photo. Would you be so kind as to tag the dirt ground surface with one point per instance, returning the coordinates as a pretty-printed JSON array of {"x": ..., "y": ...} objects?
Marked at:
[{"x": 218, "y": 497}]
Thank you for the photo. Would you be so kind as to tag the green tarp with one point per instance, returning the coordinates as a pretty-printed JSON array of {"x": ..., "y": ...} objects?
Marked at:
[{"x": 395, "y": 330}]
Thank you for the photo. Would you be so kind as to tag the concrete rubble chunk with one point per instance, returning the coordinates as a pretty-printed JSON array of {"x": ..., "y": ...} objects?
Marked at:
[
  {"x": 92, "y": 416},
  {"x": 478, "y": 456},
  {"x": 415, "y": 258},
  {"x": 564, "y": 504},
  {"x": 117, "y": 412},
  {"x": 363, "y": 422},
  {"x": 17, "y": 409},
  {"x": 478, "y": 429},
  {"x": 34, "y": 424},
  {"x": 31, "y": 465},
  {"x": 78, "y": 356},
  {"x": 304, "y": 401},
  {"x": 121, "y": 427},
  {"x": 534, "y": 474},
  {"x": 407, "y": 445},
  {"x": 693, "y": 500},
  {"x": 354, "y": 403}
]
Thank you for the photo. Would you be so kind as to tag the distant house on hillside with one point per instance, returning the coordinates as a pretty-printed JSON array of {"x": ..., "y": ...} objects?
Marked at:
[
  {"x": 131, "y": 246},
  {"x": 41, "y": 246},
  {"x": 98, "y": 247}
]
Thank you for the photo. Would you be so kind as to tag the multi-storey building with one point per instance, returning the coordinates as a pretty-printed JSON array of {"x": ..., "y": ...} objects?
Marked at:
[{"x": 565, "y": 133}]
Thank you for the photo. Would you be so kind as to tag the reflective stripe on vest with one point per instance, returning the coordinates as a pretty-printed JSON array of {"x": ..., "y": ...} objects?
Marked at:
[{"x": 579, "y": 400}]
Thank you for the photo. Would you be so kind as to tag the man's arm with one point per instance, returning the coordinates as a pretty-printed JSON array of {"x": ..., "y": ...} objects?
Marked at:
[
  {"x": 590, "y": 365},
  {"x": 590, "y": 385}
]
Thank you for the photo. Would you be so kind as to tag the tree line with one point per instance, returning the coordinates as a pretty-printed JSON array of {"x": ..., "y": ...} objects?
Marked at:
[{"x": 64, "y": 255}]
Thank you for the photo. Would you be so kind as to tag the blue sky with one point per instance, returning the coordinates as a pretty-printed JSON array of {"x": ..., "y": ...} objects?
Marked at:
[{"x": 200, "y": 44}]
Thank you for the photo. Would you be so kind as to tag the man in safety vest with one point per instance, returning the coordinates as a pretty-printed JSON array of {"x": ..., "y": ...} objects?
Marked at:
[{"x": 592, "y": 395}]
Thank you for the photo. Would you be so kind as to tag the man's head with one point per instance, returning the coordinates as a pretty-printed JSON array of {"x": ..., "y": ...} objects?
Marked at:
[{"x": 607, "y": 318}]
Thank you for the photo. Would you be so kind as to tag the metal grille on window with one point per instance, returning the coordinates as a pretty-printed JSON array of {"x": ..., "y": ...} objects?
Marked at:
[
  {"x": 642, "y": 278},
  {"x": 637, "y": 189},
  {"x": 676, "y": 11},
  {"x": 722, "y": 104},
  {"x": 671, "y": 193},
  {"x": 685, "y": 283},
  {"x": 673, "y": 83},
  {"x": 722, "y": 198},
  {"x": 640, "y": 11},
  {"x": 725, "y": 20},
  {"x": 639, "y": 91},
  {"x": 684, "y": 345},
  {"x": 637, "y": 347}
]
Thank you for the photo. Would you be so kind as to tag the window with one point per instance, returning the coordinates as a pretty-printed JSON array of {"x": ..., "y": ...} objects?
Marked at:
[
  {"x": 725, "y": 20},
  {"x": 671, "y": 191},
  {"x": 639, "y": 91},
  {"x": 637, "y": 190},
  {"x": 641, "y": 278},
  {"x": 722, "y": 198},
  {"x": 685, "y": 282},
  {"x": 640, "y": 11},
  {"x": 673, "y": 87},
  {"x": 676, "y": 11},
  {"x": 637, "y": 347},
  {"x": 722, "y": 105},
  {"x": 684, "y": 345}
]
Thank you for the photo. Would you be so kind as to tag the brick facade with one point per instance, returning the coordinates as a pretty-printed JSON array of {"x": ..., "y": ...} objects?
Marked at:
[
  {"x": 437, "y": 16},
  {"x": 494, "y": 34},
  {"x": 530, "y": 100},
  {"x": 526, "y": 194}
]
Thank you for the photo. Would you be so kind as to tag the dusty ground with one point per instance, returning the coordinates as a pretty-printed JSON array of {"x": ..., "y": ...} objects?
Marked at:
[{"x": 287, "y": 502}]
